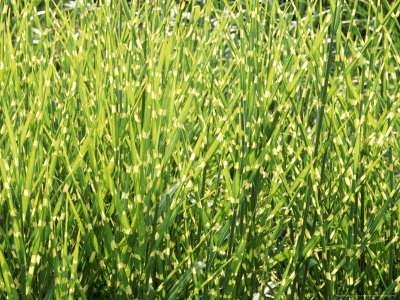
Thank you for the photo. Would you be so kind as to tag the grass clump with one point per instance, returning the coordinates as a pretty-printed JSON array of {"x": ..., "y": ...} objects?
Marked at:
[{"x": 215, "y": 149}]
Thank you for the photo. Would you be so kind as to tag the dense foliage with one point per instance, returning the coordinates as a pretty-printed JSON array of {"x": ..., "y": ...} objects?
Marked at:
[{"x": 215, "y": 149}]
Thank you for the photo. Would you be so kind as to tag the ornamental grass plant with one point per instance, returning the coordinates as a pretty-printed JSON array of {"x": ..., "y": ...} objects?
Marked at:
[{"x": 199, "y": 149}]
